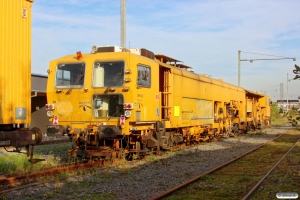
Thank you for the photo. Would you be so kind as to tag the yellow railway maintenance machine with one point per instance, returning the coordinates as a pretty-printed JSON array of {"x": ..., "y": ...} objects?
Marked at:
[
  {"x": 115, "y": 101},
  {"x": 15, "y": 77}
]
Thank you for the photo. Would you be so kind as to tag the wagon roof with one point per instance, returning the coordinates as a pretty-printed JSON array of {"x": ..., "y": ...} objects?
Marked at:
[
  {"x": 165, "y": 59},
  {"x": 255, "y": 93}
]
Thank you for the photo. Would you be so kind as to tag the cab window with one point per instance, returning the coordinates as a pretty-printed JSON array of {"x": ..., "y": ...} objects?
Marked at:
[
  {"x": 144, "y": 76},
  {"x": 108, "y": 74},
  {"x": 70, "y": 75}
]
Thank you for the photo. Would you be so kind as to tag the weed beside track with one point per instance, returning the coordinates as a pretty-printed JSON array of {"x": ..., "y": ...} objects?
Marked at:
[{"x": 15, "y": 164}]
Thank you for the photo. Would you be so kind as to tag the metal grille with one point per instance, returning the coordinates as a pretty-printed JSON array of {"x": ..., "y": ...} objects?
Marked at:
[{"x": 138, "y": 115}]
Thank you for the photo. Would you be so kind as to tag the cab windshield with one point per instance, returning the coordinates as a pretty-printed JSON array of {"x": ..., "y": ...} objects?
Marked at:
[
  {"x": 108, "y": 105},
  {"x": 70, "y": 75},
  {"x": 108, "y": 74}
]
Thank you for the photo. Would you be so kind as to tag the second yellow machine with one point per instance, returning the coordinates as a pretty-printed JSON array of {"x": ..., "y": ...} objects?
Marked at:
[{"x": 118, "y": 101}]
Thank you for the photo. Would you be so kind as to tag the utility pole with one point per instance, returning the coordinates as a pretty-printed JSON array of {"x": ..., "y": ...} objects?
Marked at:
[
  {"x": 123, "y": 23},
  {"x": 239, "y": 68},
  {"x": 287, "y": 92}
]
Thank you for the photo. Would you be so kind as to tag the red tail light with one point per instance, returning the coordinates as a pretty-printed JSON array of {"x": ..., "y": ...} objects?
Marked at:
[
  {"x": 128, "y": 106},
  {"x": 49, "y": 106}
]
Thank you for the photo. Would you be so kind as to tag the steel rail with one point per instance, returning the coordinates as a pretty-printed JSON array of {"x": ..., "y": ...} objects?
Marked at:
[
  {"x": 258, "y": 184},
  {"x": 13, "y": 180},
  {"x": 210, "y": 171},
  {"x": 20, "y": 188}
]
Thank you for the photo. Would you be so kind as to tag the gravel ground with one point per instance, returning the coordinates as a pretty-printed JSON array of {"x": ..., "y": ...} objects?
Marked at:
[{"x": 144, "y": 179}]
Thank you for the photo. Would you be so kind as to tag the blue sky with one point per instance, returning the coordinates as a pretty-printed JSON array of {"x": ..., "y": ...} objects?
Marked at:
[{"x": 204, "y": 34}]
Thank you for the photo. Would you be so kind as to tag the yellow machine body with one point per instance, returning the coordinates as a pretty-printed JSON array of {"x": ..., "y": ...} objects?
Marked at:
[{"x": 150, "y": 100}]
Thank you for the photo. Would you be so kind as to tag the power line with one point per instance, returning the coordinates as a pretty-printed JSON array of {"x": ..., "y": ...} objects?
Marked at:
[
  {"x": 270, "y": 87},
  {"x": 264, "y": 54},
  {"x": 270, "y": 90}
]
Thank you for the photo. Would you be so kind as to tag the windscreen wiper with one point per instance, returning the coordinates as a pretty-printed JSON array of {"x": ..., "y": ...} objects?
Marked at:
[
  {"x": 74, "y": 83},
  {"x": 108, "y": 118},
  {"x": 112, "y": 83}
]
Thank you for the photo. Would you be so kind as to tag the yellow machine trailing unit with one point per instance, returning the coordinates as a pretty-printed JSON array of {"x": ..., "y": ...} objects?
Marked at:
[{"x": 15, "y": 75}]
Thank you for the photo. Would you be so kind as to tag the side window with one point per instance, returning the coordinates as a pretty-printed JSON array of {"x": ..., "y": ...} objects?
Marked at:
[{"x": 144, "y": 76}]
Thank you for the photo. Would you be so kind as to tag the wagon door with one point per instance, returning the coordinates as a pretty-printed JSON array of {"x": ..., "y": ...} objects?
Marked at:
[{"x": 165, "y": 91}]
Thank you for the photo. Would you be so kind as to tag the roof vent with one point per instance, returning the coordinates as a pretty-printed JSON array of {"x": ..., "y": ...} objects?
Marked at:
[
  {"x": 147, "y": 53},
  {"x": 107, "y": 48},
  {"x": 135, "y": 51},
  {"x": 206, "y": 75}
]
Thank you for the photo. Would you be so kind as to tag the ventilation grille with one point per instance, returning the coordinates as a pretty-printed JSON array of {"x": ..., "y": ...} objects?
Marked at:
[{"x": 138, "y": 115}]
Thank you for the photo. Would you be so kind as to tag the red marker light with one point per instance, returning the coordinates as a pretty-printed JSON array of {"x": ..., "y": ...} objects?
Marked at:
[{"x": 128, "y": 106}]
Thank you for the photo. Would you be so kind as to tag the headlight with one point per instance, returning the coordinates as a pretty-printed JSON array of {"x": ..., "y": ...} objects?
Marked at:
[
  {"x": 127, "y": 113},
  {"x": 49, "y": 113}
]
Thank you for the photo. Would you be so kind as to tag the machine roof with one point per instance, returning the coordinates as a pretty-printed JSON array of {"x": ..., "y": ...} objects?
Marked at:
[{"x": 165, "y": 59}]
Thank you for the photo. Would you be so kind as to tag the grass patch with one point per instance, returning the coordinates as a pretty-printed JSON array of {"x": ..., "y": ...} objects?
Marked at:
[
  {"x": 151, "y": 158},
  {"x": 14, "y": 164},
  {"x": 280, "y": 118},
  {"x": 18, "y": 164}
]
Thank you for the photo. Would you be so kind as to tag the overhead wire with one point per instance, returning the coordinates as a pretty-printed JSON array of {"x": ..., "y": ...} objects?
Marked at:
[
  {"x": 270, "y": 87},
  {"x": 264, "y": 54}
]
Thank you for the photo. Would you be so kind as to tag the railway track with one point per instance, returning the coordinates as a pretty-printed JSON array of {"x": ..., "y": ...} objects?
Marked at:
[
  {"x": 226, "y": 165},
  {"x": 259, "y": 183},
  {"x": 29, "y": 180}
]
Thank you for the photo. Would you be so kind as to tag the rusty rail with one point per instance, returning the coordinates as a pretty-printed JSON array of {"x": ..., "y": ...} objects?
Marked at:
[
  {"x": 13, "y": 180},
  {"x": 258, "y": 184},
  {"x": 210, "y": 171}
]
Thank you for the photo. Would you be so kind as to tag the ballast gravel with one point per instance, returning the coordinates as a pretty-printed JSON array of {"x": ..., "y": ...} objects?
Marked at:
[{"x": 147, "y": 178}]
